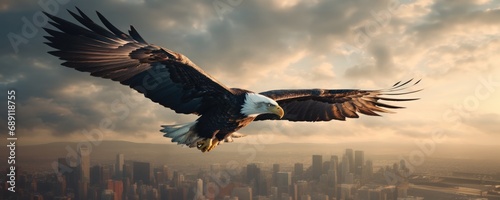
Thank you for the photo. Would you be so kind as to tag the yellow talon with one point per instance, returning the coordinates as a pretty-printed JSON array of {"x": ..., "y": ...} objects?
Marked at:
[{"x": 207, "y": 144}]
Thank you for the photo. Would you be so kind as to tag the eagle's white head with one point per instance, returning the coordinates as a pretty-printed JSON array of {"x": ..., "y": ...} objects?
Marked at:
[{"x": 256, "y": 104}]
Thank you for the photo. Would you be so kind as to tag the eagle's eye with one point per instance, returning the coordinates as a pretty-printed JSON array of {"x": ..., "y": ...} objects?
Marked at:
[{"x": 269, "y": 105}]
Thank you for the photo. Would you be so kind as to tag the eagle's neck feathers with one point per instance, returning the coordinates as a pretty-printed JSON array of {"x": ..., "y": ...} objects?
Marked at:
[{"x": 254, "y": 104}]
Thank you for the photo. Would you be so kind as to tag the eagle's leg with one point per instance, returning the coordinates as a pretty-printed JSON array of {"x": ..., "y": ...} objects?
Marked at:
[{"x": 207, "y": 144}]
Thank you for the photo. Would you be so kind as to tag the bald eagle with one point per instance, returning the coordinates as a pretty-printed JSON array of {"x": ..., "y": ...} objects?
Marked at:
[{"x": 172, "y": 80}]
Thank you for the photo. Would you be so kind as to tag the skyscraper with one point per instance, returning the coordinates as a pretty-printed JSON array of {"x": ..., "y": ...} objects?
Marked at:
[
  {"x": 117, "y": 187},
  {"x": 332, "y": 182},
  {"x": 142, "y": 172},
  {"x": 298, "y": 169},
  {"x": 276, "y": 169},
  {"x": 284, "y": 180},
  {"x": 302, "y": 188},
  {"x": 334, "y": 165},
  {"x": 84, "y": 171},
  {"x": 107, "y": 172},
  {"x": 326, "y": 167},
  {"x": 69, "y": 173},
  {"x": 120, "y": 160},
  {"x": 84, "y": 154},
  {"x": 199, "y": 189},
  {"x": 334, "y": 162},
  {"x": 345, "y": 168},
  {"x": 350, "y": 157},
  {"x": 128, "y": 171},
  {"x": 63, "y": 166},
  {"x": 256, "y": 180},
  {"x": 359, "y": 160},
  {"x": 96, "y": 172},
  {"x": 368, "y": 169},
  {"x": 243, "y": 193},
  {"x": 317, "y": 166}
]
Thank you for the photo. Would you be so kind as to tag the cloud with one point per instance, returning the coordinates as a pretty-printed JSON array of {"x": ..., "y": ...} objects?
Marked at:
[
  {"x": 261, "y": 45},
  {"x": 449, "y": 17},
  {"x": 383, "y": 65},
  {"x": 486, "y": 123}
]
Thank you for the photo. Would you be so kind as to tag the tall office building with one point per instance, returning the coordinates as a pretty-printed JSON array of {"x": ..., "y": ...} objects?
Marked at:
[
  {"x": 96, "y": 177},
  {"x": 350, "y": 157},
  {"x": 284, "y": 180},
  {"x": 403, "y": 167},
  {"x": 363, "y": 193},
  {"x": 199, "y": 189},
  {"x": 254, "y": 178},
  {"x": 273, "y": 192},
  {"x": 334, "y": 162},
  {"x": 177, "y": 179},
  {"x": 84, "y": 172},
  {"x": 161, "y": 174},
  {"x": 107, "y": 172},
  {"x": 84, "y": 154},
  {"x": 276, "y": 169},
  {"x": 120, "y": 160},
  {"x": 323, "y": 182},
  {"x": 332, "y": 182},
  {"x": 63, "y": 166},
  {"x": 349, "y": 178},
  {"x": 326, "y": 167},
  {"x": 359, "y": 160},
  {"x": 117, "y": 187},
  {"x": 142, "y": 172},
  {"x": 368, "y": 169},
  {"x": 301, "y": 189},
  {"x": 69, "y": 173},
  {"x": 298, "y": 169},
  {"x": 345, "y": 168},
  {"x": 243, "y": 193},
  {"x": 317, "y": 166}
]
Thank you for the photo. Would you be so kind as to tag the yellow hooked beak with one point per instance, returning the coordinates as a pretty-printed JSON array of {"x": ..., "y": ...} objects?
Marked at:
[{"x": 277, "y": 110}]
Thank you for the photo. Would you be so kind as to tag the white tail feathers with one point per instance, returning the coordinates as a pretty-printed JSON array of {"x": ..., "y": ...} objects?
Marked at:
[{"x": 182, "y": 133}]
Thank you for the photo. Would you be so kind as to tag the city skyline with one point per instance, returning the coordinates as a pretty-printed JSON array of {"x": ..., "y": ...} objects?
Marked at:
[{"x": 272, "y": 181}]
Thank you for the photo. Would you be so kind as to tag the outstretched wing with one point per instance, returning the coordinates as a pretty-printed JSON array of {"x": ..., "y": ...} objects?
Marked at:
[
  {"x": 326, "y": 105},
  {"x": 164, "y": 76}
]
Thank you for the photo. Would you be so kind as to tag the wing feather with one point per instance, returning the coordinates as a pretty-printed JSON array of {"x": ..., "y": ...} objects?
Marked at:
[
  {"x": 162, "y": 75},
  {"x": 326, "y": 105}
]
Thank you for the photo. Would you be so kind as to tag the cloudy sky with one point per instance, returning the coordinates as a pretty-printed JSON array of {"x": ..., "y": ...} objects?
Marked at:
[{"x": 260, "y": 45}]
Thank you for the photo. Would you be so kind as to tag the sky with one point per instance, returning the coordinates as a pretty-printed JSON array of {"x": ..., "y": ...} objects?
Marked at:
[{"x": 260, "y": 45}]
